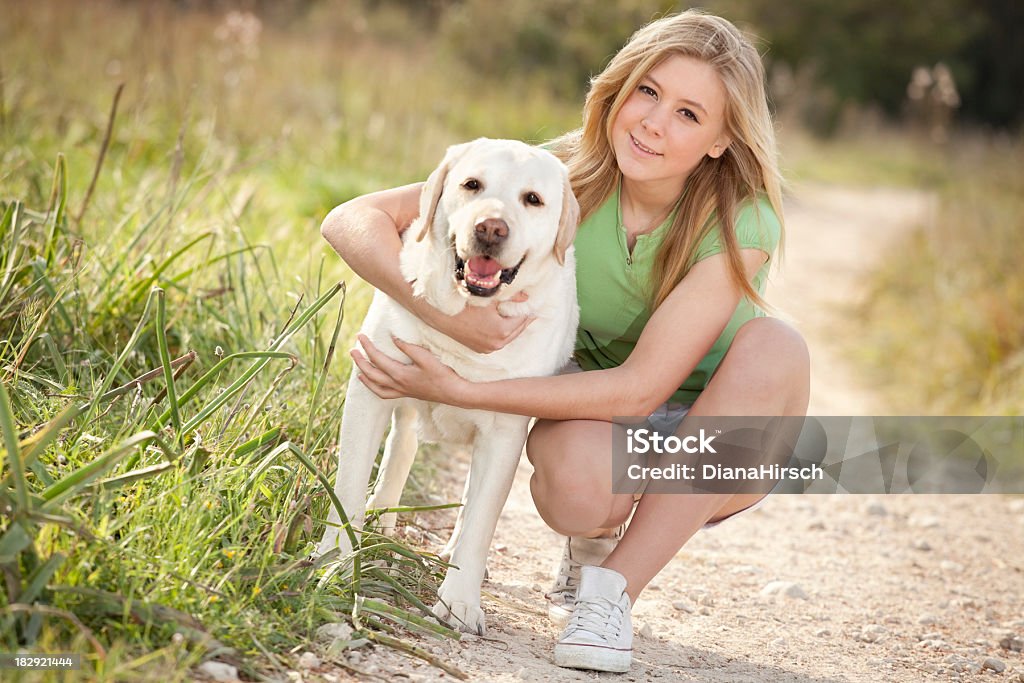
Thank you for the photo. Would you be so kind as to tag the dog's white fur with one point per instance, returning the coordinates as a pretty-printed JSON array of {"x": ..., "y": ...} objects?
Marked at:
[{"x": 450, "y": 214}]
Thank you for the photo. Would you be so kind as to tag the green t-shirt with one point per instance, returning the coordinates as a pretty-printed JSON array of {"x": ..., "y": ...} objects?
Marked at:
[{"x": 613, "y": 290}]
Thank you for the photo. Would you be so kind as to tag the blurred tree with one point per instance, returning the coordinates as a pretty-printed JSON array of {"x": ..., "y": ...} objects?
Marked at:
[
  {"x": 861, "y": 51},
  {"x": 558, "y": 43},
  {"x": 992, "y": 86}
]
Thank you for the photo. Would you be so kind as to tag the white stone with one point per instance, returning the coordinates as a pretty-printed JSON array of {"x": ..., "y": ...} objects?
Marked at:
[
  {"x": 308, "y": 660},
  {"x": 334, "y": 631},
  {"x": 784, "y": 589},
  {"x": 218, "y": 671}
]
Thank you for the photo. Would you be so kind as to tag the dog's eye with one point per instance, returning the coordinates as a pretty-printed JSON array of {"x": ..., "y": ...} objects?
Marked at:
[
  {"x": 533, "y": 199},
  {"x": 472, "y": 185}
]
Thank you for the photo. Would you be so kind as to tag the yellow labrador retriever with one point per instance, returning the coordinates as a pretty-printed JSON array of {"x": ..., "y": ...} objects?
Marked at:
[{"x": 497, "y": 217}]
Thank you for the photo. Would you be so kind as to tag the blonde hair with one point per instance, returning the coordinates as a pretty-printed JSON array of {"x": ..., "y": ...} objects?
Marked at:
[{"x": 747, "y": 169}]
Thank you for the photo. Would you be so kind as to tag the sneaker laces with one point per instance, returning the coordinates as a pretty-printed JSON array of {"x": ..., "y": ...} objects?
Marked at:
[
  {"x": 597, "y": 616},
  {"x": 568, "y": 579},
  {"x": 568, "y": 574}
]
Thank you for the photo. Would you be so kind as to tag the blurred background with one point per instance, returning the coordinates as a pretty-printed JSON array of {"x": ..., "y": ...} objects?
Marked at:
[
  {"x": 196, "y": 145},
  {"x": 297, "y": 105}
]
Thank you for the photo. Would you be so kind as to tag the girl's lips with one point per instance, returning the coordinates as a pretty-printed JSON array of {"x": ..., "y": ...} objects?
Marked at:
[{"x": 646, "y": 151}]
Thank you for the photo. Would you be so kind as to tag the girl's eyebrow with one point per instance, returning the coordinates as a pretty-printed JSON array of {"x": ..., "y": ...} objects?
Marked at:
[{"x": 692, "y": 103}]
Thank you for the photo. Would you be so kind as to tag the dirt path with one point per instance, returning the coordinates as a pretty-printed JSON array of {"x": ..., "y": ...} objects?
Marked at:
[{"x": 888, "y": 588}]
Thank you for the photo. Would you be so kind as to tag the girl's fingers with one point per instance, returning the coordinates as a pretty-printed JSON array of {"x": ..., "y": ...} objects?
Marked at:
[
  {"x": 380, "y": 359},
  {"x": 417, "y": 354},
  {"x": 368, "y": 369},
  {"x": 377, "y": 389}
]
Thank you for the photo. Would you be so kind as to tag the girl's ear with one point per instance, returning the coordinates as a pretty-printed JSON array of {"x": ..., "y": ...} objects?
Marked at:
[{"x": 721, "y": 144}]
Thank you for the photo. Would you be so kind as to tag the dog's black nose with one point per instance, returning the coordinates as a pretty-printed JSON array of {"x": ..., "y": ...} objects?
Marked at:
[{"x": 491, "y": 231}]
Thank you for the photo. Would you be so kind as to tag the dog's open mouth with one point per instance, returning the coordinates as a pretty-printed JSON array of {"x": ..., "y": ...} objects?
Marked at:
[{"x": 483, "y": 275}]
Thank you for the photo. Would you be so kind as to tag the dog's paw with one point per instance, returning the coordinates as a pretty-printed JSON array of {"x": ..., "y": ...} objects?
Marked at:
[{"x": 463, "y": 616}]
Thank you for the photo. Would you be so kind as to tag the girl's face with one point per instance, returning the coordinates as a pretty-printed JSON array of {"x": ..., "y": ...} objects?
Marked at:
[{"x": 674, "y": 117}]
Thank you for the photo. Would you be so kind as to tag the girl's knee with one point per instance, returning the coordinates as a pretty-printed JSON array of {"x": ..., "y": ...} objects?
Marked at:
[{"x": 772, "y": 344}]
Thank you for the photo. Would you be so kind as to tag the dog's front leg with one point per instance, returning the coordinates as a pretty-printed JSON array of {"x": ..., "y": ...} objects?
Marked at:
[
  {"x": 362, "y": 427},
  {"x": 399, "y": 454},
  {"x": 495, "y": 457}
]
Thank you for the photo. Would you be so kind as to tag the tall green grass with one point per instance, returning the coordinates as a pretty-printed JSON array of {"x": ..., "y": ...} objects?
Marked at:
[{"x": 170, "y": 400}]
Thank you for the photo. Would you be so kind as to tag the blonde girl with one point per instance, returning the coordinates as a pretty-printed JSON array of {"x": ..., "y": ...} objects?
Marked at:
[{"x": 676, "y": 174}]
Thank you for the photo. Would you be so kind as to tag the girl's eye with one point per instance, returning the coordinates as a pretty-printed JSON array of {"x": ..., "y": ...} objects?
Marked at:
[
  {"x": 648, "y": 91},
  {"x": 533, "y": 199},
  {"x": 689, "y": 114},
  {"x": 472, "y": 184}
]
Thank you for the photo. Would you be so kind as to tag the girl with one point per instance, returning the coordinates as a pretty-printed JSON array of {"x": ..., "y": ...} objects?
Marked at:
[{"x": 676, "y": 175}]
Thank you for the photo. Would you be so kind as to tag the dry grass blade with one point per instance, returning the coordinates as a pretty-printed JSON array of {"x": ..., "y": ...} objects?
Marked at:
[
  {"x": 103, "y": 153},
  {"x": 419, "y": 652}
]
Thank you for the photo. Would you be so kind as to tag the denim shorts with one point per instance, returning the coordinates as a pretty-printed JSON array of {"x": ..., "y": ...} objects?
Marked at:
[{"x": 666, "y": 419}]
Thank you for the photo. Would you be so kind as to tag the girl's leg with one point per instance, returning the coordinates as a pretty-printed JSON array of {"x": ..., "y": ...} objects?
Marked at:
[
  {"x": 572, "y": 474},
  {"x": 766, "y": 372}
]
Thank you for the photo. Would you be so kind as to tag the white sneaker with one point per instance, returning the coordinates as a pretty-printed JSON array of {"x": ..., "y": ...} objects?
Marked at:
[
  {"x": 578, "y": 552},
  {"x": 599, "y": 635}
]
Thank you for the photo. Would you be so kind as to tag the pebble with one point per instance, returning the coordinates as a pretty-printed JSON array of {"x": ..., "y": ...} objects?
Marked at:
[
  {"x": 705, "y": 611},
  {"x": 961, "y": 664},
  {"x": 876, "y": 509},
  {"x": 925, "y": 522},
  {"x": 646, "y": 631},
  {"x": 218, "y": 671},
  {"x": 934, "y": 644},
  {"x": 1011, "y": 642},
  {"x": 683, "y": 606},
  {"x": 950, "y": 566},
  {"x": 537, "y": 588},
  {"x": 927, "y": 619},
  {"x": 822, "y": 633},
  {"x": 523, "y": 674},
  {"x": 784, "y": 589},
  {"x": 921, "y": 544},
  {"x": 778, "y": 644},
  {"x": 334, "y": 631},
  {"x": 308, "y": 660},
  {"x": 993, "y": 664},
  {"x": 872, "y": 633}
]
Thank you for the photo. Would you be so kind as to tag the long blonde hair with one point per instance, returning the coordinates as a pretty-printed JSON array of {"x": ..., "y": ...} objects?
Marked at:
[{"x": 746, "y": 170}]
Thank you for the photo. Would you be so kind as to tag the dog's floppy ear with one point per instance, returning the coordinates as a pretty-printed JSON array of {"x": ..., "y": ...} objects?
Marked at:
[
  {"x": 567, "y": 222},
  {"x": 430, "y": 196}
]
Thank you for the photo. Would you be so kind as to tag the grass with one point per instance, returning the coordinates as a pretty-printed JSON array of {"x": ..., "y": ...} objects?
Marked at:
[
  {"x": 939, "y": 328},
  {"x": 170, "y": 398}
]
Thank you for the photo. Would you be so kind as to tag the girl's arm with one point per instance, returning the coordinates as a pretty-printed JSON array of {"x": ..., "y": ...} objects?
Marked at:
[
  {"x": 366, "y": 233},
  {"x": 674, "y": 340}
]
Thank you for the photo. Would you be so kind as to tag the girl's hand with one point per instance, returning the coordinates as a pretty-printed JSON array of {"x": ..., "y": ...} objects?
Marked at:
[
  {"x": 426, "y": 378},
  {"x": 482, "y": 328}
]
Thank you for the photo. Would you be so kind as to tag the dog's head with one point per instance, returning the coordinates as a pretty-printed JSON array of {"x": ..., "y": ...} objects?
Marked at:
[{"x": 502, "y": 205}]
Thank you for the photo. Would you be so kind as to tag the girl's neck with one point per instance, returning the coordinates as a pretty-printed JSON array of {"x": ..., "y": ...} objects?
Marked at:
[{"x": 645, "y": 205}]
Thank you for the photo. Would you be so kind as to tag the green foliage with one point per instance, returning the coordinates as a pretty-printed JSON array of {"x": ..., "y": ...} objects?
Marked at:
[{"x": 941, "y": 328}]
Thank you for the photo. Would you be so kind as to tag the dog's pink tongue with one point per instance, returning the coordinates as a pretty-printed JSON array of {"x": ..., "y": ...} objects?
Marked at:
[{"x": 483, "y": 266}]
